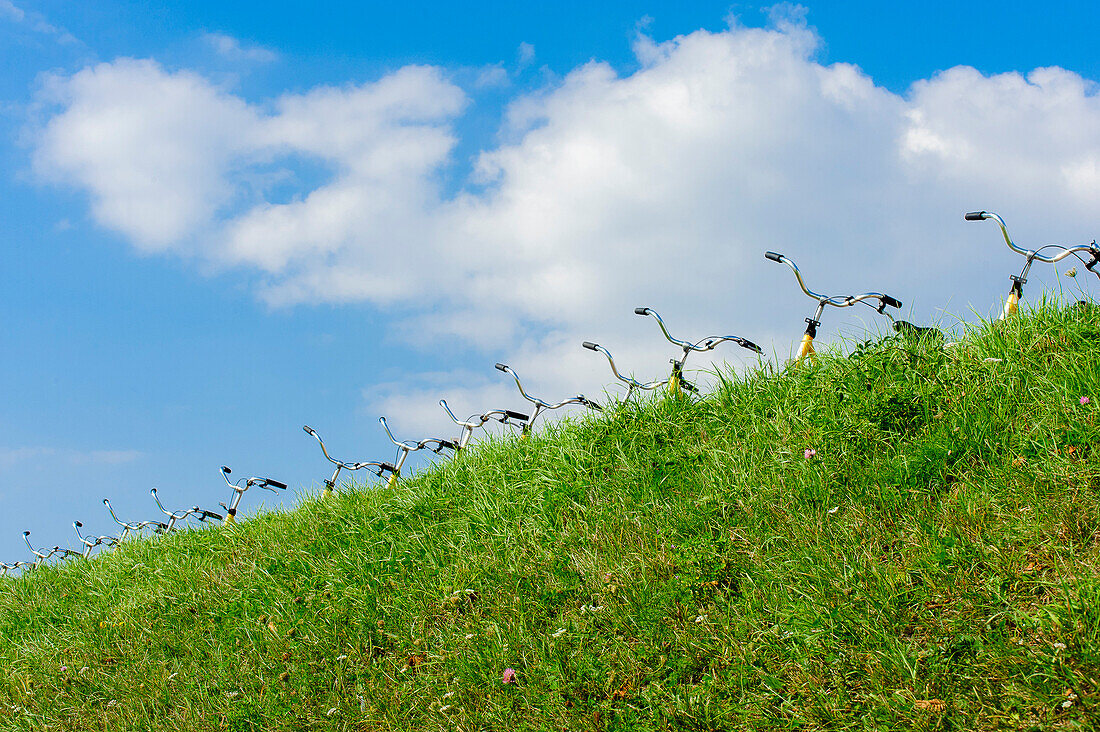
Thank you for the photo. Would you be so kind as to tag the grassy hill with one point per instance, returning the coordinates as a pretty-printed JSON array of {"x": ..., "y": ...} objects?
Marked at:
[{"x": 902, "y": 538}]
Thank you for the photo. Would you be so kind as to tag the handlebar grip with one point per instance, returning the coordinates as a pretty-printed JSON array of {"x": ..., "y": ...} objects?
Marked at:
[
  {"x": 589, "y": 345},
  {"x": 308, "y": 429},
  {"x": 516, "y": 415},
  {"x": 448, "y": 444},
  {"x": 275, "y": 483},
  {"x": 502, "y": 367},
  {"x": 641, "y": 311},
  {"x": 887, "y": 300},
  {"x": 773, "y": 256},
  {"x": 226, "y": 470},
  {"x": 746, "y": 343},
  {"x": 975, "y": 216}
]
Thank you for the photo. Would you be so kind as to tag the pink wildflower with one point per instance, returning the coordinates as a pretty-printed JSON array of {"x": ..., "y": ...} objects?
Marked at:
[
  {"x": 509, "y": 676},
  {"x": 809, "y": 453},
  {"x": 1084, "y": 400}
]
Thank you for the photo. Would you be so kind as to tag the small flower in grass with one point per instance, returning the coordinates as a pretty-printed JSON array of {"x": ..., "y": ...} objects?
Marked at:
[
  {"x": 833, "y": 510},
  {"x": 558, "y": 633},
  {"x": 64, "y": 669},
  {"x": 1084, "y": 400},
  {"x": 1059, "y": 646},
  {"x": 509, "y": 676},
  {"x": 809, "y": 452}
]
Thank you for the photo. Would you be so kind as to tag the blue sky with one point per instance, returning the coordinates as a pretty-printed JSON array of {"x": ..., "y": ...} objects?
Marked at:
[{"x": 495, "y": 182}]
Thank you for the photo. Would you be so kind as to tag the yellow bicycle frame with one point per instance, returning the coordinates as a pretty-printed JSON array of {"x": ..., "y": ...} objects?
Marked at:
[
  {"x": 1012, "y": 305},
  {"x": 806, "y": 347}
]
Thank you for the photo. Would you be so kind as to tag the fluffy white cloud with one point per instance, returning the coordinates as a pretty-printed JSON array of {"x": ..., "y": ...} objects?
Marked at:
[{"x": 661, "y": 187}]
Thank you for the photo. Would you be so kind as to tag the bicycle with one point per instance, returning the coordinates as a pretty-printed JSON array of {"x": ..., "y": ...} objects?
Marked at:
[
  {"x": 174, "y": 517},
  {"x": 41, "y": 555},
  {"x": 134, "y": 528},
  {"x": 631, "y": 383},
  {"x": 676, "y": 380},
  {"x": 408, "y": 446},
  {"x": 7, "y": 567},
  {"x": 1016, "y": 292},
  {"x": 541, "y": 405},
  {"x": 94, "y": 541},
  {"x": 468, "y": 427},
  {"x": 239, "y": 491},
  {"x": 806, "y": 347},
  {"x": 377, "y": 468}
]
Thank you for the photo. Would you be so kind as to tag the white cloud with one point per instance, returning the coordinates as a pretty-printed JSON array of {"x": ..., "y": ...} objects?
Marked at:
[
  {"x": 231, "y": 49},
  {"x": 662, "y": 187},
  {"x": 36, "y": 22},
  {"x": 525, "y": 55}
]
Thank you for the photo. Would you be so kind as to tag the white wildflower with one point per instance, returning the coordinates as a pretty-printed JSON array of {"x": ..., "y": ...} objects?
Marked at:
[{"x": 558, "y": 633}]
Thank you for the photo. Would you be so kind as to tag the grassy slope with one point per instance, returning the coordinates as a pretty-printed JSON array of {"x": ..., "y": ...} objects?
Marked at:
[{"x": 667, "y": 566}]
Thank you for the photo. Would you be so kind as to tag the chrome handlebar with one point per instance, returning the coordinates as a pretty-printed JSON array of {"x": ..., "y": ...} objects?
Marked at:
[
  {"x": 705, "y": 344},
  {"x": 91, "y": 542},
  {"x": 838, "y": 301},
  {"x": 410, "y": 446},
  {"x": 128, "y": 528},
  {"x": 478, "y": 420},
  {"x": 375, "y": 467},
  {"x": 541, "y": 405},
  {"x": 174, "y": 517},
  {"x": 631, "y": 383},
  {"x": 1034, "y": 254},
  {"x": 6, "y": 567},
  {"x": 239, "y": 490},
  {"x": 42, "y": 555}
]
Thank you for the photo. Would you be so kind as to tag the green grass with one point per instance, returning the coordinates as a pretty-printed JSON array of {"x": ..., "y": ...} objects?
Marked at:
[{"x": 664, "y": 566}]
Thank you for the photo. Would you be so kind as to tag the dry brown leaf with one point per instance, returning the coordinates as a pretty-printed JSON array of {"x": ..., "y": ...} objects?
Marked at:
[{"x": 931, "y": 705}]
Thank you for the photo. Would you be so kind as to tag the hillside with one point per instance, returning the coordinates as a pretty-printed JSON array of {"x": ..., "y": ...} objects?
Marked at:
[{"x": 905, "y": 537}]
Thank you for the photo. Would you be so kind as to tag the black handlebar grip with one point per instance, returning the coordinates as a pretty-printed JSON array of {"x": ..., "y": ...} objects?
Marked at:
[
  {"x": 501, "y": 367},
  {"x": 589, "y": 345},
  {"x": 448, "y": 444},
  {"x": 745, "y": 342},
  {"x": 225, "y": 469},
  {"x": 975, "y": 216},
  {"x": 308, "y": 429},
  {"x": 641, "y": 311},
  {"x": 773, "y": 256},
  {"x": 516, "y": 415},
  {"x": 887, "y": 300},
  {"x": 275, "y": 483}
]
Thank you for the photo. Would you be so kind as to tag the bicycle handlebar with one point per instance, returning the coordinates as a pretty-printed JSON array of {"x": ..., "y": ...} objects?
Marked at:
[
  {"x": 702, "y": 345},
  {"x": 408, "y": 446},
  {"x": 1034, "y": 254},
  {"x": 631, "y": 382},
  {"x": 838, "y": 301},
  {"x": 541, "y": 404}
]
